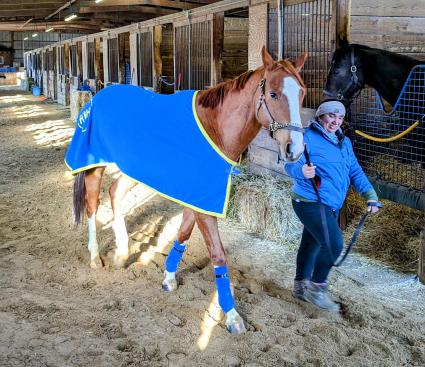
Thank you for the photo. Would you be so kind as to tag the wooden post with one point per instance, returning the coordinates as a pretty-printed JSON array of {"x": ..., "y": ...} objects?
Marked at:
[
  {"x": 342, "y": 11},
  {"x": 217, "y": 35},
  {"x": 257, "y": 37},
  {"x": 421, "y": 266}
]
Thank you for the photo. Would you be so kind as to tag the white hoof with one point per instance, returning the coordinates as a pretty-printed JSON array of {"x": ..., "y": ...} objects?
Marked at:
[
  {"x": 170, "y": 283},
  {"x": 119, "y": 260},
  {"x": 96, "y": 263},
  {"x": 234, "y": 323}
]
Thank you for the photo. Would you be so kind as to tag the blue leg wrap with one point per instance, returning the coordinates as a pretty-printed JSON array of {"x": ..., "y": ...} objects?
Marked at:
[
  {"x": 225, "y": 298},
  {"x": 174, "y": 257}
]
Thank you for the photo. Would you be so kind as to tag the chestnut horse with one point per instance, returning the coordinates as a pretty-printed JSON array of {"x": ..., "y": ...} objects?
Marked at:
[{"x": 231, "y": 115}]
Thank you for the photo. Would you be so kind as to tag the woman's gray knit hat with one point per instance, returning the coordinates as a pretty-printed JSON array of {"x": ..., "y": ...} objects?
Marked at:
[{"x": 330, "y": 107}]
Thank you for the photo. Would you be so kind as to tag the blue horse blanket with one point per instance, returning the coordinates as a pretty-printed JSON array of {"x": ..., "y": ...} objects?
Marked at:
[{"x": 156, "y": 140}]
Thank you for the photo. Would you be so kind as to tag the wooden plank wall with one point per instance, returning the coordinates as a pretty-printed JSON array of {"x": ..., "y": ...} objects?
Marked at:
[
  {"x": 393, "y": 25},
  {"x": 235, "y": 47}
]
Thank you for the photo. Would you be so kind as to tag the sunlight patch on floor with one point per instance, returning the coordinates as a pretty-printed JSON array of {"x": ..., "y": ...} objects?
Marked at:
[
  {"x": 15, "y": 98},
  {"x": 167, "y": 235},
  {"x": 211, "y": 318},
  {"x": 51, "y": 133}
]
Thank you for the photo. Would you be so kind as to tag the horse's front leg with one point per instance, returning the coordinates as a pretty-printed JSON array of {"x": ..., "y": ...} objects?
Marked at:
[
  {"x": 209, "y": 229},
  {"x": 117, "y": 192},
  {"x": 176, "y": 253}
]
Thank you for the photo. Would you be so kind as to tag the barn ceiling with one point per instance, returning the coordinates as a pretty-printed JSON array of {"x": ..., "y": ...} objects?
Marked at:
[{"x": 92, "y": 15}]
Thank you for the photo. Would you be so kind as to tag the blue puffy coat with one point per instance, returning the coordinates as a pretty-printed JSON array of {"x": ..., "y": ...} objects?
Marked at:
[{"x": 336, "y": 165}]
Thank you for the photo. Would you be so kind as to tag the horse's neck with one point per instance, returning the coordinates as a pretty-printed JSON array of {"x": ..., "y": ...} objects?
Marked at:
[
  {"x": 232, "y": 125},
  {"x": 385, "y": 73}
]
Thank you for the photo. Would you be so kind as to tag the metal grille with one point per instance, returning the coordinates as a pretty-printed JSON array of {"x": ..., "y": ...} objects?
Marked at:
[
  {"x": 273, "y": 32},
  {"x": 308, "y": 27},
  {"x": 61, "y": 56},
  {"x": 73, "y": 56},
  {"x": 193, "y": 56},
  {"x": 145, "y": 59},
  {"x": 90, "y": 60},
  {"x": 403, "y": 161},
  {"x": 113, "y": 60}
]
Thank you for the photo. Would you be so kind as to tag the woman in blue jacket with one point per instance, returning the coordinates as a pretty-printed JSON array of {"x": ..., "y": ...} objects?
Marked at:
[{"x": 335, "y": 166}]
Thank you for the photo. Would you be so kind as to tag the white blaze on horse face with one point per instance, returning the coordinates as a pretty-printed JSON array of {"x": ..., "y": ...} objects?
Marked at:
[{"x": 291, "y": 89}]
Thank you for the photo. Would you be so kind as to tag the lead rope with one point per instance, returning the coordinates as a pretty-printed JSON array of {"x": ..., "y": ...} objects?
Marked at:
[{"x": 338, "y": 262}]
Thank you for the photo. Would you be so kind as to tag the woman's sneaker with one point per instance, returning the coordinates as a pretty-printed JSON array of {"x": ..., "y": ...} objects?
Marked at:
[
  {"x": 299, "y": 288},
  {"x": 318, "y": 295}
]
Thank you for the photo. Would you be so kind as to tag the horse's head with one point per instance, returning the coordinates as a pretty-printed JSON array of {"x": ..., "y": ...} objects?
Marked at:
[
  {"x": 345, "y": 75},
  {"x": 278, "y": 109}
]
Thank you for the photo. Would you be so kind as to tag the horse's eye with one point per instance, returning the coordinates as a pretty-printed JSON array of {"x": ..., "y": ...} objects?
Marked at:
[{"x": 273, "y": 95}]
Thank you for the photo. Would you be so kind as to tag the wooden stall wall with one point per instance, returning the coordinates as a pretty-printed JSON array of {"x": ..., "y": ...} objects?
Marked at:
[
  {"x": 164, "y": 58},
  {"x": 393, "y": 25},
  {"x": 234, "y": 56}
]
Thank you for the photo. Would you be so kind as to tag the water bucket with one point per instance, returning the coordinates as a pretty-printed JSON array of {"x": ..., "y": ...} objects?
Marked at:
[{"x": 36, "y": 91}]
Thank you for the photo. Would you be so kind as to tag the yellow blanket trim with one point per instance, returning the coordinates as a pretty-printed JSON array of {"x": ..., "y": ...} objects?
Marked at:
[{"x": 215, "y": 147}]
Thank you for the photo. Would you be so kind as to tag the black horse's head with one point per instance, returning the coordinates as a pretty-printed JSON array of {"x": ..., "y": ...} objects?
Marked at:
[{"x": 345, "y": 75}]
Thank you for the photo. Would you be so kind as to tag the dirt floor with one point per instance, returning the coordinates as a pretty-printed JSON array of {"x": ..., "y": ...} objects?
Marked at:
[{"x": 56, "y": 311}]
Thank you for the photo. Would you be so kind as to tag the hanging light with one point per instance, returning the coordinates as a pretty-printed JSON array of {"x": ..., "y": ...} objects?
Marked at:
[
  {"x": 34, "y": 35},
  {"x": 70, "y": 17},
  {"x": 49, "y": 29},
  {"x": 26, "y": 39}
]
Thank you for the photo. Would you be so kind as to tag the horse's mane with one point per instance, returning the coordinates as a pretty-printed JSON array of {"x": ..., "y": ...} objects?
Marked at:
[
  {"x": 398, "y": 56},
  {"x": 215, "y": 96}
]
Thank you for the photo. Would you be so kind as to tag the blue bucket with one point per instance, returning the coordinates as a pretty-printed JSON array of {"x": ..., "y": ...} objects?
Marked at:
[{"x": 36, "y": 91}]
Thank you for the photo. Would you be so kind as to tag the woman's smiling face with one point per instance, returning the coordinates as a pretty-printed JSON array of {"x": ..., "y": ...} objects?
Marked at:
[{"x": 331, "y": 122}]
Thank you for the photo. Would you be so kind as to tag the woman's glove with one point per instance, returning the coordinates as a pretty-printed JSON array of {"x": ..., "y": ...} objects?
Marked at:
[{"x": 373, "y": 206}]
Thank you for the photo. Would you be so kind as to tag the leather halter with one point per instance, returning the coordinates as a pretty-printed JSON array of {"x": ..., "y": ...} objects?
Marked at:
[
  {"x": 354, "y": 80},
  {"x": 273, "y": 125}
]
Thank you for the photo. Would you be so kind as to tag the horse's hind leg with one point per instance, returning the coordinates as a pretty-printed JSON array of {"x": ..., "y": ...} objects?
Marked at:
[
  {"x": 93, "y": 180},
  {"x": 209, "y": 229},
  {"x": 173, "y": 259},
  {"x": 117, "y": 193}
]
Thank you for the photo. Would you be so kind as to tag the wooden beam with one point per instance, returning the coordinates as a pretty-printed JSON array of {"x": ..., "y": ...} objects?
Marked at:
[
  {"x": 129, "y": 3},
  {"x": 168, "y": 3},
  {"x": 138, "y": 9},
  {"x": 67, "y": 5}
]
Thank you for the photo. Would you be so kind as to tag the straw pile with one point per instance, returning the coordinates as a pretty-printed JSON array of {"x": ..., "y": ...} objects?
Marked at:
[
  {"x": 263, "y": 205},
  {"x": 391, "y": 236}
]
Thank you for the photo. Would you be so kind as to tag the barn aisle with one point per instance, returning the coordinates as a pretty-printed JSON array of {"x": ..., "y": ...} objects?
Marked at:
[{"x": 56, "y": 311}]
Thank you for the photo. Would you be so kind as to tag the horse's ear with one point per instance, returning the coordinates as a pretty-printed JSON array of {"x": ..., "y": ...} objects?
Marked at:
[
  {"x": 300, "y": 61},
  {"x": 267, "y": 59}
]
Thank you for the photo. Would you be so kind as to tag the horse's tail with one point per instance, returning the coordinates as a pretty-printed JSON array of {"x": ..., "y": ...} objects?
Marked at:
[{"x": 79, "y": 197}]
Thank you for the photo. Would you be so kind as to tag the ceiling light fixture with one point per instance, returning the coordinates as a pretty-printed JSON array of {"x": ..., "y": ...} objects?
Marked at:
[
  {"x": 34, "y": 35},
  {"x": 98, "y": 1},
  {"x": 49, "y": 29},
  {"x": 70, "y": 17},
  {"x": 26, "y": 39}
]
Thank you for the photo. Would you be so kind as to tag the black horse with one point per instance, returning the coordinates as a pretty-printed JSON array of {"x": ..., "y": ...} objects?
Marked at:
[{"x": 356, "y": 66}]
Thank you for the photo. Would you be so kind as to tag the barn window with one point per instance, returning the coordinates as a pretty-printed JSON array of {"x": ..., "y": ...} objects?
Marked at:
[
  {"x": 73, "y": 55},
  {"x": 113, "y": 59},
  {"x": 144, "y": 59},
  {"x": 90, "y": 60},
  {"x": 1, "y": 60}
]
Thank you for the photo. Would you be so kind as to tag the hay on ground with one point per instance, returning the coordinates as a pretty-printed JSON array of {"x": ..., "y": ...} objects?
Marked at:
[
  {"x": 391, "y": 236},
  {"x": 263, "y": 205}
]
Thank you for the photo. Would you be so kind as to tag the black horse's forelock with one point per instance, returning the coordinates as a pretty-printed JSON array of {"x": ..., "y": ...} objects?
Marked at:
[{"x": 79, "y": 198}]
